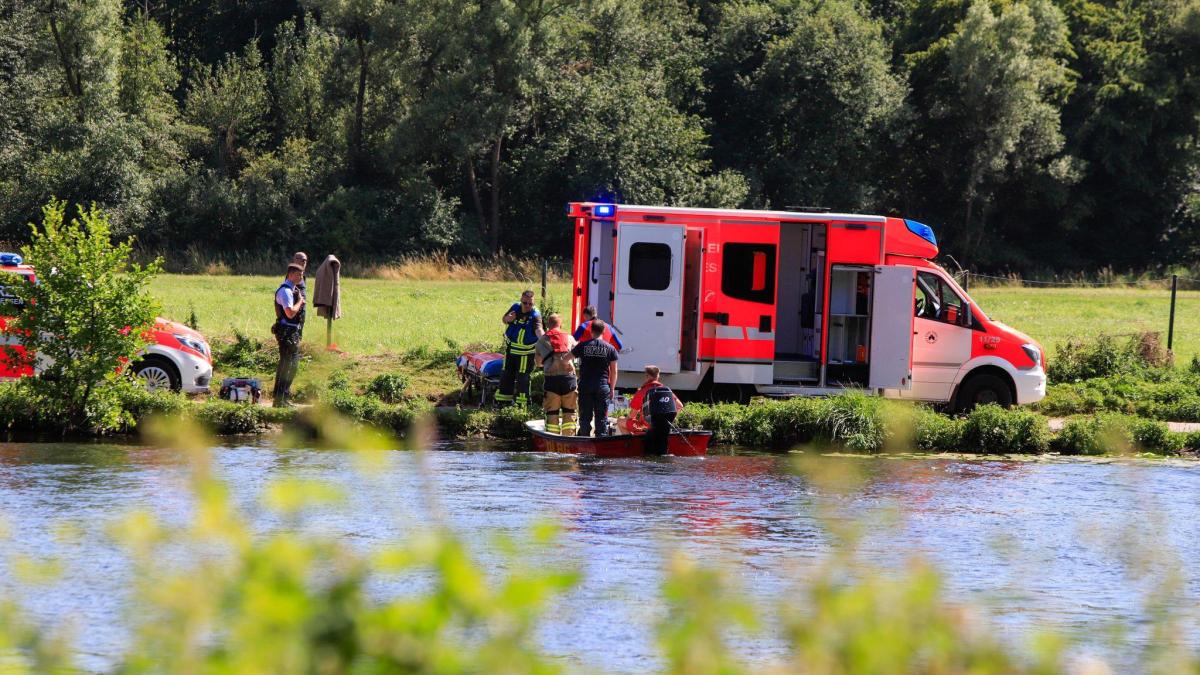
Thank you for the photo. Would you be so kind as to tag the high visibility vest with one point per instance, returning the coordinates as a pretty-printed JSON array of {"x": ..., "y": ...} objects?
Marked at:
[
  {"x": 521, "y": 336},
  {"x": 280, "y": 315}
]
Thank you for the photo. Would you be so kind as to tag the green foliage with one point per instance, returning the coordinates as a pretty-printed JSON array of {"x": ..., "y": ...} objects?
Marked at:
[
  {"x": 388, "y": 387},
  {"x": 935, "y": 432},
  {"x": 227, "y": 417},
  {"x": 86, "y": 316},
  {"x": 1111, "y": 433},
  {"x": 244, "y": 353},
  {"x": 990, "y": 429},
  {"x": 1107, "y": 355}
]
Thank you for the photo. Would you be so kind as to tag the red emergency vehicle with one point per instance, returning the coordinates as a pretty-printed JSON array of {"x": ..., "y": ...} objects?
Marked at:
[
  {"x": 176, "y": 357},
  {"x": 787, "y": 303}
]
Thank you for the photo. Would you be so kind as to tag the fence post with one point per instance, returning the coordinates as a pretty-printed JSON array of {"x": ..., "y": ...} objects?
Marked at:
[
  {"x": 1171, "y": 323},
  {"x": 545, "y": 273},
  {"x": 966, "y": 281}
]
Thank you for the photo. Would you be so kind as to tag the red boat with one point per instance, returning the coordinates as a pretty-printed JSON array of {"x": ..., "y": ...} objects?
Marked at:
[{"x": 683, "y": 443}]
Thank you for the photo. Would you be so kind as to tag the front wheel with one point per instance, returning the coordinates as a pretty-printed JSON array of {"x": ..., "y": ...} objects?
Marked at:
[
  {"x": 983, "y": 389},
  {"x": 158, "y": 374}
]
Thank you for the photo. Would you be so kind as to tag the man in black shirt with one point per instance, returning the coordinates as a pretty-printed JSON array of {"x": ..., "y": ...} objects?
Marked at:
[{"x": 597, "y": 380}]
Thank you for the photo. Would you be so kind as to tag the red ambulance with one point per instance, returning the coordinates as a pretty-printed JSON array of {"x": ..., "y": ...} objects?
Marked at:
[
  {"x": 176, "y": 358},
  {"x": 785, "y": 303}
]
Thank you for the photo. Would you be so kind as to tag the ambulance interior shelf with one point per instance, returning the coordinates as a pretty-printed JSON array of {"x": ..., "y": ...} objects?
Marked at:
[{"x": 849, "y": 325}]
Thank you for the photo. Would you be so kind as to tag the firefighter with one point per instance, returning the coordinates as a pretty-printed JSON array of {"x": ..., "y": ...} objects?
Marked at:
[
  {"x": 524, "y": 328},
  {"x": 553, "y": 354},
  {"x": 652, "y": 411},
  {"x": 597, "y": 381},
  {"x": 583, "y": 332}
]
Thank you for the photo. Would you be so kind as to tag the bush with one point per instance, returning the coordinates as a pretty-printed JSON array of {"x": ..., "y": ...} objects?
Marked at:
[
  {"x": 935, "y": 432},
  {"x": 855, "y": 420},
  {"x": 1117, "y": 434},
  {"x": 992, "y": 430},
  {"x": 227, "y": 417},
  {"x": 1106, "y": 356},
  {"x": 389, "y": 387},
  {"x": 244, "y": 352}
]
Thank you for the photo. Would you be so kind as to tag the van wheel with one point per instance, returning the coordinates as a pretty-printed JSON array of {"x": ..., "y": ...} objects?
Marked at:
[
  {"x": 158, "y": 374},
  {"x": 982, "y": 389}
]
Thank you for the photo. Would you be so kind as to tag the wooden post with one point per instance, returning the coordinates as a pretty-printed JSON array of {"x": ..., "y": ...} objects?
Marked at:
[
  {"x": 545, "y": 273},
  {"x": 1171, "y": 321},
  {"x": 329, "y": 330}
]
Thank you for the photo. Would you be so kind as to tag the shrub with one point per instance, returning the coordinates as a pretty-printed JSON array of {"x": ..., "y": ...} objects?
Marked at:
[
  {"x": 388, "y": 387},
  {"x": 935, "y": 432},
  {"x": 227, "y": 417},
  {"x": 990, "y": 429},
  {"x": 93, "y": 311},
  {"x": 1117, "y": 434},
  {"x": 244, "y": 352},
  {"x": 1106, "y": 356},
  {"x": 855, "y": 420}
]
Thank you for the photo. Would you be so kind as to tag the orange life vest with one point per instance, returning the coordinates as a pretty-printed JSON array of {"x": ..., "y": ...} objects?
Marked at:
[{"x": 558, "y": 340}]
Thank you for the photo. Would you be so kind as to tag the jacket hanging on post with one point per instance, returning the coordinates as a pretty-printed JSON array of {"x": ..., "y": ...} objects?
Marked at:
[{"x": 327, "y": 294}]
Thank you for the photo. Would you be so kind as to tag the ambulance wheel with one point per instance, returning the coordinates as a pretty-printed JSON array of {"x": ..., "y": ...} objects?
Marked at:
[
  {"x": 725, "y": 392},
  {"x": 158, "y": 374},
  {"x": 982, "y": 389}
]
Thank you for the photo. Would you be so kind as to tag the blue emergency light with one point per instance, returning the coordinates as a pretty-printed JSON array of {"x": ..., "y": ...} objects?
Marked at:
[
  {"x": 604, "y": 210},
  {"x": 921, "y": 230},
  {"x": 11, "y": 259}
]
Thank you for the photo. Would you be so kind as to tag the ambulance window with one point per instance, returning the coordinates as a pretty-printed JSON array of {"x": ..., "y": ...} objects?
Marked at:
[
  {"x": 649, "y": 266},
  {"x": 937, "y": 301},
  {"x": 748, "y": 272}
]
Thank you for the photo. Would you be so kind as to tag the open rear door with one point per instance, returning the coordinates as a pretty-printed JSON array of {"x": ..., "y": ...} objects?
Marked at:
[
  {"x": 892, "y": 328},
  {"x": 648, "y": 303}
]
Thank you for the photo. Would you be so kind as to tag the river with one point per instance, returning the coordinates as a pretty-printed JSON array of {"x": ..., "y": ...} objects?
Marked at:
[{"x": 1040, "y": 543}]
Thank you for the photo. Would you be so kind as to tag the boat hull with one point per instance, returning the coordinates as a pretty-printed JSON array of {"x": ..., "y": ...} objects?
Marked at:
[{"x": 686, "y": 443}]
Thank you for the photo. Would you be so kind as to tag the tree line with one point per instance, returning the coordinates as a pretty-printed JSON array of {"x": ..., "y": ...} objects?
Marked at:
[{"x": 1031, "y": 134}]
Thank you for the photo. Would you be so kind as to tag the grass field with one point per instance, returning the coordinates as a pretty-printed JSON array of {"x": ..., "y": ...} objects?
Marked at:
[{"x": 385, "y": 322}]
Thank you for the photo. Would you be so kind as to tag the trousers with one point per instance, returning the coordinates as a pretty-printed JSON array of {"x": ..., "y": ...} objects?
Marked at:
[
  {"x": 288, "y": 339},
  {"x": 560, "y": 401},
  {"x": 593, "y": 409},
  {"x": 514, "y": 379}
]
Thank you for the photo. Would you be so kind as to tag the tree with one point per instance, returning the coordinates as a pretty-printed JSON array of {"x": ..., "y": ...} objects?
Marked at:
[
  {"x": 988, "y": 100},
  {"x": 804, "y": 96},
  {"x": 85, "y": 318},
  {"x": 231, "y": 101}
]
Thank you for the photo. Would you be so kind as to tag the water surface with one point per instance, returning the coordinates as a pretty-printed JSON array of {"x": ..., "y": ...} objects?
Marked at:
[{"x": 1042, "y": 544}]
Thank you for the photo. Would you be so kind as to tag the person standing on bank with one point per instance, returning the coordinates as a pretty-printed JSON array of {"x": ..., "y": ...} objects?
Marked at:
[
  {"x": 583, "y": 332},
  {"x": 301, "y": 258},
  {"x": 289, "y": 304},
  {"x": 597, "y": 380},
  {"x": 524, "y": 328},
  {"x": 561, "y": 398}
]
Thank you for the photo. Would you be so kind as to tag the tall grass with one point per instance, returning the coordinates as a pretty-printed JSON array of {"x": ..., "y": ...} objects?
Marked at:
[{"x": 431, "y": 266}]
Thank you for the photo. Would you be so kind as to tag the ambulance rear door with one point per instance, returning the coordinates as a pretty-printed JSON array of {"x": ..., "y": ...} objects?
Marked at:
[
  {"x": 648, "y": 298},
  {"x": 892, "y": 328}
]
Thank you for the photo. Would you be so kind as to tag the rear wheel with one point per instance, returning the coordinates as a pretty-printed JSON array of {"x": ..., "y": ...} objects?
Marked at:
[
  {"x": 158, "y": 374},
  {"x": 982, "y": 389}
]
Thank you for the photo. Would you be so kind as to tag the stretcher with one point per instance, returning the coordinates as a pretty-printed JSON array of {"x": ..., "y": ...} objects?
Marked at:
[{"x": 479, "y": 373}]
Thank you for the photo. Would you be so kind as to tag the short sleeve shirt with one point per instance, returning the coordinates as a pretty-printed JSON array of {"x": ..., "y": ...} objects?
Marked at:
[
  {"x": 594, "y": 357},
  {"x": 286, "y": 297}
]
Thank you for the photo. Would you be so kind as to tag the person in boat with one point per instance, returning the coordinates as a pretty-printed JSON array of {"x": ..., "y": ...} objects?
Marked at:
[
  {"x": 583, "y": 332},
  {"x": 597, "y": 380},
  {"x": 524, "y": 327},
  {"x": 652, "y": 412},
  {"x": 561, "y": 395}
]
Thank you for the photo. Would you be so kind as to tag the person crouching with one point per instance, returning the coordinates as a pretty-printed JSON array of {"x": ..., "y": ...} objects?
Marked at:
[
  {"x": 652, "y": 412},
  {"x": 560, "y": 398}
]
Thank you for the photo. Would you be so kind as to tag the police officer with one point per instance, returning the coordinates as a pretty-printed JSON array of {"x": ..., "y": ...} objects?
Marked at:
[
  {"x": 520, "y": 338},
  {"x": 289, "y": 304}
]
